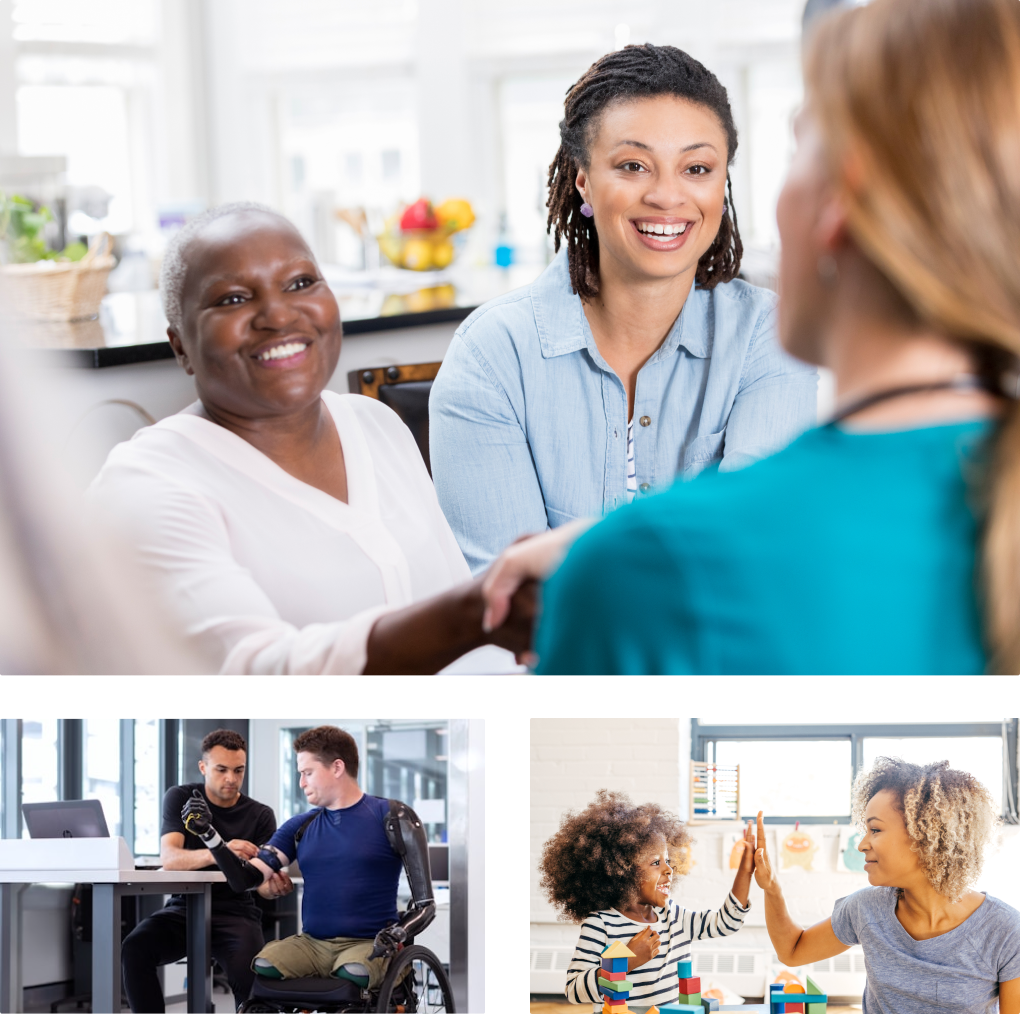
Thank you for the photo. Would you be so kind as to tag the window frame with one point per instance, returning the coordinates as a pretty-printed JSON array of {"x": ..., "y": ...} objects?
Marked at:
[
  {"x": 856, "y": 733},
  {"x": 71, "y": 768}
]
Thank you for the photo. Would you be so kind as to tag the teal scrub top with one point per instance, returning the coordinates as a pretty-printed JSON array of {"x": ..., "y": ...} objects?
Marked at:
[{"x": 847, "y": 552}]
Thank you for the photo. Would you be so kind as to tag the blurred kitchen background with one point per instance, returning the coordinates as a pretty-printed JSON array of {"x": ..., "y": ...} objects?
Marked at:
[
  {"x": 133, "y": 115},
  {"x": 408, "y": 139}
]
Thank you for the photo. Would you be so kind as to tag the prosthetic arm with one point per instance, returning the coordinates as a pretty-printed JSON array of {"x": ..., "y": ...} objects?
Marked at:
[
  {"x": 407, "y": 838},
  {"x": 241, "y": 875}
]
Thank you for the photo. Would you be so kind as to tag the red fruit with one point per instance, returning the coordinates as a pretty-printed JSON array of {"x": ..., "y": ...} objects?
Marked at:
[{"x": 418, "y": 216}]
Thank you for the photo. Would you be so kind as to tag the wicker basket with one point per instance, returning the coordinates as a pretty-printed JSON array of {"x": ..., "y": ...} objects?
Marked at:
[{"x": 58, "y": 290}]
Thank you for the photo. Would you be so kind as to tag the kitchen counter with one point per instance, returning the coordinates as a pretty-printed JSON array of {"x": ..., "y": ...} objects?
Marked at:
[{"x": 131, "y": 327}]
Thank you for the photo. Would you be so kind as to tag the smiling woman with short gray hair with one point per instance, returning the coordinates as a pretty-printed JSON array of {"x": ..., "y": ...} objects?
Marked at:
[{"x": 290, "y": 529}]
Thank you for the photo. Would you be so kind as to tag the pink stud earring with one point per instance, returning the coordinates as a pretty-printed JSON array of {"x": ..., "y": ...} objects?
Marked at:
[{"x": 587, "y": 210}]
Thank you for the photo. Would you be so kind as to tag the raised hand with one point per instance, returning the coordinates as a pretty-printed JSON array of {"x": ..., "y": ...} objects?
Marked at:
[
  {"x": 645, "y": 946},
  {"x": 196, "y": 815},
  {"x": 764, "y": 874},
  {"x": 747, "y": 858}
]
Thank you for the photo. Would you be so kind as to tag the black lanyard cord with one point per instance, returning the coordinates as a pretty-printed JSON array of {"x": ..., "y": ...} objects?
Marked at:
[{"x": 962, "y": 382}]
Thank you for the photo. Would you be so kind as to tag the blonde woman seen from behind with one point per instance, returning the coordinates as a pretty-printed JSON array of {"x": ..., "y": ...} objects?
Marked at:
[{"x": 929, "y": 940}]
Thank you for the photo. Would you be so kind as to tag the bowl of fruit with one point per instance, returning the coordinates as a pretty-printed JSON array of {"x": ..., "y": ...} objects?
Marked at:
[{"x": 419, "y": 237}]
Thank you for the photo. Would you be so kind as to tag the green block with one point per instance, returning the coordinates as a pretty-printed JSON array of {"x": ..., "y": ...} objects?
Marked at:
[
  {"x": 692, "y": 999},
  {"x": 815, "y": 1008},
  {"x": 620, "y": 986}
]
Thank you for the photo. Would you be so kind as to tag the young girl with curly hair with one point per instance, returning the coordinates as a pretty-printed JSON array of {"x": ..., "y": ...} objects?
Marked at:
[
  {"x": 610, "y": 868},
  {"x": 929, "y": 941}
]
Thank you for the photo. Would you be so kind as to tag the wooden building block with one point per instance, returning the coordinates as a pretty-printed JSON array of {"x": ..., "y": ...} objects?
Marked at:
[
  {"x": 819, "y": 1006},
  {"x": 614, "y": 965},
  {"x": 613, "y": 996},
  {"x": 616, "y": 986},
  {"x": 792, "y": 989}
]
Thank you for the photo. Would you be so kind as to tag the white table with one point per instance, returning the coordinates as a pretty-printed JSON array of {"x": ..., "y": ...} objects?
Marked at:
[{"x": 108, "y": 887}]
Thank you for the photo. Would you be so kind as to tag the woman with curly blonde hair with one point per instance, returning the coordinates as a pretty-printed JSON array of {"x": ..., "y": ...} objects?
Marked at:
[
  {"x": 929, "y": 940},
  {"x": 610, "y": 868}
]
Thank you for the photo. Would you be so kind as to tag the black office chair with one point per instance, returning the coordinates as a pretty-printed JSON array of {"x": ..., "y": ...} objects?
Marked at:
[
  {"x": 406, "y": 390},
  {"x": 415, "y": 982}
]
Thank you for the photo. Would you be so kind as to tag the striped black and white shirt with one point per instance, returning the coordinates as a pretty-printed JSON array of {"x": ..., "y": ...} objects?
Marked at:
[
  {"x": 631, "y": 470},
  {"x": 655, "y": 982}
]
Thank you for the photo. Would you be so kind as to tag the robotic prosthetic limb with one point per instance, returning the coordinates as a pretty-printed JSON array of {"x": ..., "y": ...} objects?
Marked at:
[
  {"x": 407, "y": 838},
  {"x": 241, "y": 875}
]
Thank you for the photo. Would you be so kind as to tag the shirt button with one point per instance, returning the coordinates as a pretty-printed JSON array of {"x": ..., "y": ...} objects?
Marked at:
[
  {"x": 644, "y": 487},
  {"x": 645, "y": 421}
]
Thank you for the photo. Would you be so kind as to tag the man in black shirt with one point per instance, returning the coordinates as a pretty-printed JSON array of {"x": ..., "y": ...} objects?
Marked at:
[{"x": 236, "y": 919}]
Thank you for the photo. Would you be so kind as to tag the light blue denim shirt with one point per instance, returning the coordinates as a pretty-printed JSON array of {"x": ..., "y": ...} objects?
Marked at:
[{"x": 528, "y": 423}]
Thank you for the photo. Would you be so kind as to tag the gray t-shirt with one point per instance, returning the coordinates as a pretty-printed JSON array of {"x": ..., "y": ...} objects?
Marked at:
[{"x": 959, "y": 970}]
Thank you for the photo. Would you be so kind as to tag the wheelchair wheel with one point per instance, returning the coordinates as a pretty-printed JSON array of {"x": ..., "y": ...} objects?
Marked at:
[{"x": 425, "y": 989}]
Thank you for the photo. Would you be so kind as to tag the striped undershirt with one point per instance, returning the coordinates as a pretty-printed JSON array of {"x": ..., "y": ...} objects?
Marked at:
[
  {"x": 655, "y": 982},
  {"x": 631, "y": 473}
]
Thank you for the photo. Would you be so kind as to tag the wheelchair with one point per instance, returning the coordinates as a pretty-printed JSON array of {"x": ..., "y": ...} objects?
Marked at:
[{"x": 415, "y": 983}]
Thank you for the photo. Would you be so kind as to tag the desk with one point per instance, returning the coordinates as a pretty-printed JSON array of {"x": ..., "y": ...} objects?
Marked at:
[{"x": 109, "y": 886}]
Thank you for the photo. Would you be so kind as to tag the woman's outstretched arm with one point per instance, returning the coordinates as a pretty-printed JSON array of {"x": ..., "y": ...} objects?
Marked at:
[{"x": 795, "y": 946}]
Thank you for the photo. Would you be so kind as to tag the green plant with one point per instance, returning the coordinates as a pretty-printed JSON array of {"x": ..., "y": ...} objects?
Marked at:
[{"x": 22, "y": 226}]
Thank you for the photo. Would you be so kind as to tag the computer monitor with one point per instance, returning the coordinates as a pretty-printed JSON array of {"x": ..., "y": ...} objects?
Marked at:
[
  {"x": 439, "y": 861},
  {"x": 71, "y": 818}
]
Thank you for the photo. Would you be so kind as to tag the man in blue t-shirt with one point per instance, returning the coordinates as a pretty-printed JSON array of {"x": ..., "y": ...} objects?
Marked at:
[{"x": 350, "y": 848}]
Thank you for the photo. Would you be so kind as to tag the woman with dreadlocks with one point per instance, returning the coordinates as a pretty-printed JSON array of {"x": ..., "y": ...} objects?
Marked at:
[{"x": 637, "y": 354}]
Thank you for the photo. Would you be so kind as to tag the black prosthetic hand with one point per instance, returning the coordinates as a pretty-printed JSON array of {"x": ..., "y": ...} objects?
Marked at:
[
  {"x": 241, "y": 875},
  {"x": 407, "y": 838}
]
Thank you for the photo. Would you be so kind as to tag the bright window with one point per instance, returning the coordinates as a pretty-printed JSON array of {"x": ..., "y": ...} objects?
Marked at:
[
  {"x": 148, "y": 799},
  {"x": 806, "y": 772},
  {"x": 979, "y": 755},
  {"x": 39, "y": 762},
  {"x": 810, "y": 779},
  {"x": 101, "y": 769}
]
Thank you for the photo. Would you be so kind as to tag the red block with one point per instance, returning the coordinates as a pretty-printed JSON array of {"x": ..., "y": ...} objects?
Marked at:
[
  {"x": 691, "y": 985},
  {"x": 615, "y": 1003},
  {"x": 613, "y": 976}
]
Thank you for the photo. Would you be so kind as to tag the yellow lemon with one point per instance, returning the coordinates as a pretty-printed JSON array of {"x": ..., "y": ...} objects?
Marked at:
[
  {"x": 455, "y": 214},
  {"x": 417, "y": 254},
  {"x": 442, "y": 253}
]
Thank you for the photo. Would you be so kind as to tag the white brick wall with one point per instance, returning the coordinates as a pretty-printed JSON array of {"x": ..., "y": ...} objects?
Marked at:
[{"x": 571, "y": 758}]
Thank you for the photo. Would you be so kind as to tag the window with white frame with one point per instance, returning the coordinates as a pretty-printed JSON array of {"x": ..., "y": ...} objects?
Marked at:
[
  {"x": 806, "y": 772},
  {"x": 84, "y": 89}
]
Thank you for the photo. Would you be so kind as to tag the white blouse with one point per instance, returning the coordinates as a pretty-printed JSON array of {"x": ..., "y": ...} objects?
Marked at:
[{"x": 271, "y": 575}]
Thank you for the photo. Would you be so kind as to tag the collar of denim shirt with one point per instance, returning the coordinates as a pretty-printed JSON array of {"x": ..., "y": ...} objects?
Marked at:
[{"x": 563, "y": 326}]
